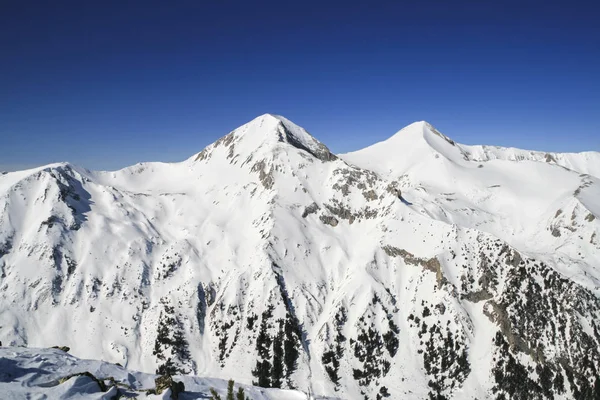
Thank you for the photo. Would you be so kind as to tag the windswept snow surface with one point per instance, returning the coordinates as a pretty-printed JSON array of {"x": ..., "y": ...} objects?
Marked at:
[
  {"x": 414, "y": 268},
  {"x": 32, "y": 373}
]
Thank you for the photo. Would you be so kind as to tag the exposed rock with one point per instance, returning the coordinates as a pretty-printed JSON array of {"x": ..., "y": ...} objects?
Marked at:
[
  {"x": 311, "y": 209},
  {"x": 226, "y": 141},
  {"x": 63, "y": 348},
  {"x": 100, "y": 383},
  {"x": 319, "y": 150},
  {"x": 446, "y": 138},
  {"x": 432, "y": 264},
  {"x": 498, "y": 314},
  {"x": 329, "y": 220},
  {"x": 353, "y": 177},
  {"x": 6, "y": 246},
  {"x": 341, "y": 211},
  {"x": 165, "y": 382},
  {"x": 478, "y": 296},
  {"x": 203, "y": 155},
  {"x": 370, "y": 195},
  {"x": 441, "y": 308},
  {"x": 513, "y": 257},
  {"x": 266, "y": 178},
  {"x": 392, "y": 187}
]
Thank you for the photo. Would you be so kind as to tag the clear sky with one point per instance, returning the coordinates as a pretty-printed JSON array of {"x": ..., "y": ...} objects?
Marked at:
[{"x": 106, "y": 84}]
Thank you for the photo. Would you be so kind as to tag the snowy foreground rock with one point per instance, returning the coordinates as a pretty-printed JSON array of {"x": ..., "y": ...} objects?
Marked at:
[
  {"x": 415, "y": 268},
  {"x": 53, "y": 374}
]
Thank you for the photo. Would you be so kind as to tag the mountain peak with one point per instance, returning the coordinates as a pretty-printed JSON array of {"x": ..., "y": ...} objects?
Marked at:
[
  {"x": 425, "y": 130},
  {"x": 417, "y": 124},
  {"x": 415, "y": 144},
  {"x": 271, "y": 127},
  {"x": 268, "y": 131}
]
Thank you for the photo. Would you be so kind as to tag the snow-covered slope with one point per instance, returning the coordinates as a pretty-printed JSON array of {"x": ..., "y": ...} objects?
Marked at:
[
  {"x": 527, "y": 199},
  {"x": 27, "y": 373},
  {"x": 414, "y": 268}
]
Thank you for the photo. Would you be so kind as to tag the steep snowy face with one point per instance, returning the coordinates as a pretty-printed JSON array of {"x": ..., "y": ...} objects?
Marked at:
[
  {"x": 513, "y": 194},
  {"x": 412, "y": 268},
  {"x": 415, "y": 147},
  {"x": 264, "y": 136}
]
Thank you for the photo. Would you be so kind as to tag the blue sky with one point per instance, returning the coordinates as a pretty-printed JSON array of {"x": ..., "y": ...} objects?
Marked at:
[{"x": 108, "y": 84}]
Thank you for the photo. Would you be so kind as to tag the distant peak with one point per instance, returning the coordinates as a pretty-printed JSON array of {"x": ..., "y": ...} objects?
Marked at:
[
  {"x": 422, "y": 129},
  {"x": 417, "y": 125},
  {"x": 287, "y": 131},
  {"x": 266, "y": 131},
  {"x": 264, "y": 117},
  {"x": 271, "y": 116}
]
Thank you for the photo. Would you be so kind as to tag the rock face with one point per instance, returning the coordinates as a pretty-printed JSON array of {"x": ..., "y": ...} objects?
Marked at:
[
  {"x": 166, "y": 382},
  {"x": 269, "y": 259},
  {"x": 101, "y": 384},
  {"x": 40, "y": 373}
]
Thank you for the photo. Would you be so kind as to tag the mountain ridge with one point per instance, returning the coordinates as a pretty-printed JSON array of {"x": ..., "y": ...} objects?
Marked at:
[
  {"x": 267, "y": 261},
  {"x": 478, "y": 153}
]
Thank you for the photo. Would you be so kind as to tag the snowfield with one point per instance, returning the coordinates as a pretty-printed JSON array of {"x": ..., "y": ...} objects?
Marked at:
[
  {"x": 53, "y": 374},
  {"x": 414, "y": 268}
]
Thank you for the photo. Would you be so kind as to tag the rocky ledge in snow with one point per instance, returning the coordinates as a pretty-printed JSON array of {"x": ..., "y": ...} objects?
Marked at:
[{"x": 30, "y": 373}]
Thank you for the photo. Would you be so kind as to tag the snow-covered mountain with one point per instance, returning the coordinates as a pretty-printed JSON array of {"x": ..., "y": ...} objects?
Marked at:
[{"x": 414, "y": 268}]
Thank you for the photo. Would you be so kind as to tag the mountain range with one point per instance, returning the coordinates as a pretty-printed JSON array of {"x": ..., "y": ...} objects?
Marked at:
[{"x": 417, "y": 267}]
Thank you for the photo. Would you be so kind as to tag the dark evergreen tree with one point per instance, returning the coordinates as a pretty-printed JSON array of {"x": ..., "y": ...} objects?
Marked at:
[
  {"x": 158, "y": 350},
  {"x": 278, "y": 354},
  {"x": 332, "y": 365},
  {"x": 262, "y": 372},
  {"x": 263, "y": 341},
  {"x": 240, "y": 394},
  {"x": 170, "y": 334},
  {"x": 167, "y": 368},
  {"x": 290, "y": 345},
  {"x": 230, "y": 389},
  {"x": 180, "y": 345},
  {"x": 214, "y": 394},
  {"x": 162, "y": 338}
]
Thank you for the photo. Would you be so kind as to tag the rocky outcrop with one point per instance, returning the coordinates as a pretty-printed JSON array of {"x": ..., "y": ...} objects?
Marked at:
[
  {"x": 165, "y": 382},
  {"x": 329, "y": 220},
  {"x": 101, "y": 384},
  {"x": 429, "y": 264}
]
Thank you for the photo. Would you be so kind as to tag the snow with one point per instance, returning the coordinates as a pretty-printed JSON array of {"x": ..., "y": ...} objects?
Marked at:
[
  {"x": 95, "y": 259},
  {"x": 507, "y": 193},
  {"x": 36, "y": 373}
]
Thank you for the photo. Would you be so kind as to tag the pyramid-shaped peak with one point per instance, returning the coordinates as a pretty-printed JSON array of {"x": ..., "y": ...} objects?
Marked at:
[
  {"x": 417, "y": 124},
  {"x": 266, "y": 132},
  {"x": 272, "y": 126},
  {"x": 416, "y": 144},
  {"x": 419, "y": 131},
  {"x": 417, "y": 127}
]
